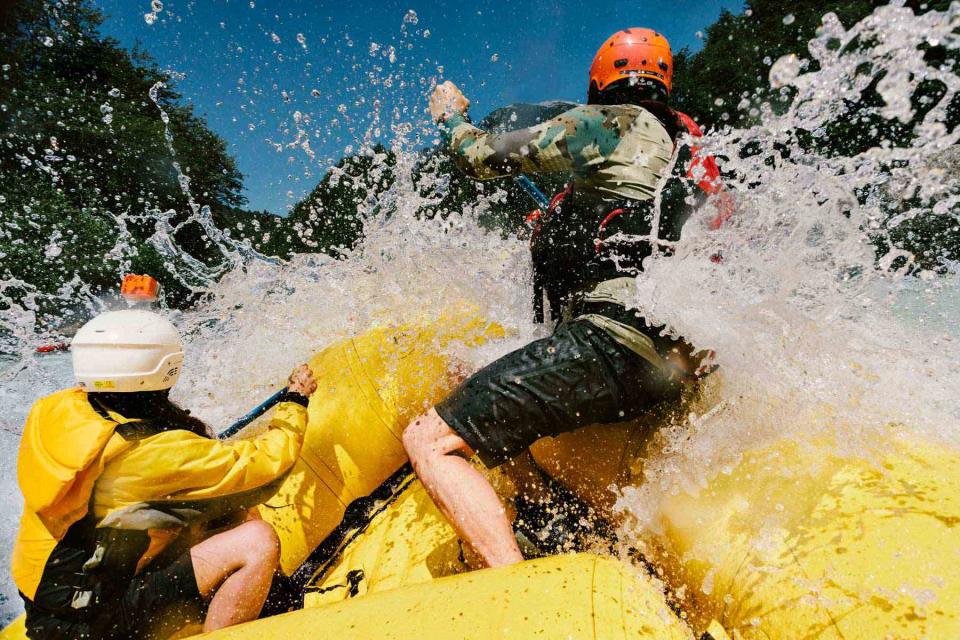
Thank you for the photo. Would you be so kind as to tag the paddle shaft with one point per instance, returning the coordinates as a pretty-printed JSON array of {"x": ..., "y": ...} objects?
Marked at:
[{"x": 254, "y": 413}]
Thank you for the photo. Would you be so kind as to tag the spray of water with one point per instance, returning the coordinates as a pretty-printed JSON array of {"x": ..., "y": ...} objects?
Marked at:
[
  {"x": 817, "y": 336},
  {"x": 813, "y": 333}
]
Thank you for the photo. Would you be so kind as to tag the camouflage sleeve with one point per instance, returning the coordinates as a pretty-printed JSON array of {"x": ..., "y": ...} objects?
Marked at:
[{"x": 575, "y": 141}]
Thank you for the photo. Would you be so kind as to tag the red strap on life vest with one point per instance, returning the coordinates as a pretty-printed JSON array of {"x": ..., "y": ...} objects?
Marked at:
[
  {"x": 598, "y": 241},
  {"x": 709, "y": 182},
  {"x": 536, "y": 218}
]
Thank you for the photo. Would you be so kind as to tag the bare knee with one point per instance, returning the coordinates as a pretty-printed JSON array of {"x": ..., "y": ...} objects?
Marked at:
[
  {"x": 261, "y": 545},
  {"x": 418, "y": 437},
  {"x": 429, "y": 438}
]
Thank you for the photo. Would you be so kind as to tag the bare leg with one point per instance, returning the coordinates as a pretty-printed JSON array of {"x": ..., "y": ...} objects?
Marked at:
[
  {"x": 459, "y": 490},
  {"x": 239, "y": 565}
]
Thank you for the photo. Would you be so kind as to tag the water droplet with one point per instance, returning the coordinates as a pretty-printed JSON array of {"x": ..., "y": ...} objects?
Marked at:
[
  {"x": 494, "y": 57},
  {"x": 426, "y": 33},
  {"x": 789, "y": 18},
  {"x": 784, "y": 71},
  {"x": 156, "y": 5},
  {"x": 411, "y": 17},
  {"x": 114, "y": 93},
  {"x": 47, "y": 41},
  {"x": 275, "y": 38},
  {"x": 150, "y": 18}
]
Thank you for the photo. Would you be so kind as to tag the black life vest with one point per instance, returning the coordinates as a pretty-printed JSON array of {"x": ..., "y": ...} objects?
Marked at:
[{"x": 580, "y": 241}]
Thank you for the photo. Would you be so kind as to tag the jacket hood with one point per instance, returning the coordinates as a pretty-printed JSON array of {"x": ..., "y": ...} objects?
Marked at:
[{"x": 61, "y": 457}]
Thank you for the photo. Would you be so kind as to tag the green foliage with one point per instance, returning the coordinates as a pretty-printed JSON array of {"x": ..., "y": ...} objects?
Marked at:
[
  {"x": 86, "y": 168},
  {"x": 330, "y": 218},
  {"x": 722, "y": 82}
]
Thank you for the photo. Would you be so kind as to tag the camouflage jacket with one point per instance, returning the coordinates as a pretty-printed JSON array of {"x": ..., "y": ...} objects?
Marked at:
[
  {"x": 618, "y": 157},
  {"x": 613, "y": 152}
]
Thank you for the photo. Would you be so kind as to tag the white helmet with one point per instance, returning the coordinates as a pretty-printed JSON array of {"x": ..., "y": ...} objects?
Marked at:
[{"x": 127, "y": 351}]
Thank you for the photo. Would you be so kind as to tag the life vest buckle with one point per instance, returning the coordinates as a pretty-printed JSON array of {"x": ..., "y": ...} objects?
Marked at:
[{"x": 81, "y": 599}]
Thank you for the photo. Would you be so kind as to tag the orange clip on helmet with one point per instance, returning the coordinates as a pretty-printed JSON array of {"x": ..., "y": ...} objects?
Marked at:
[
  {"x": 633, "y": 52},
  {"x": 137, "y": 288}
]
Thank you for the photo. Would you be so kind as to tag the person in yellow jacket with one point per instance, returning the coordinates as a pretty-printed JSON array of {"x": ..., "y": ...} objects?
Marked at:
[{"x": 116, "y": 479}]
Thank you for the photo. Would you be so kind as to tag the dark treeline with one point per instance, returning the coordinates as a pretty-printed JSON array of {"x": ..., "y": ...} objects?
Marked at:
[
  {"x": 86, "y": 169},
  {"x": 89, "y": 180},
  {"x": 83, "y": 145}
]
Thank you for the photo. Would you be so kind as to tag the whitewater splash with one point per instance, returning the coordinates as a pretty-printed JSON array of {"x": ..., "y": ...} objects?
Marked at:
[
  {"x": 818, "y": 338},
  {"x": 811, "y": 330},
  {"x": 262, "y": 319}
]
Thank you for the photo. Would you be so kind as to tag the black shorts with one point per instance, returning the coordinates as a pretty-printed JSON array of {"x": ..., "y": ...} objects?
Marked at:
[
  {"x": 155, "y": 605},
  {"x": 577, "y": 377}
]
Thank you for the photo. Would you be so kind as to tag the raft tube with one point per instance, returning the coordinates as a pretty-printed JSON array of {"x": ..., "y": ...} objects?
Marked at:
[
  {"x": 406, "y": 541},
  {"x": 368, "y": 389},
  {"x": 573, "y": 596},
  {"x": 796, "y": 541}
]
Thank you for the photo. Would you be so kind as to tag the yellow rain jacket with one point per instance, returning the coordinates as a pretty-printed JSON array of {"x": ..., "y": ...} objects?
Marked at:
[{"x": 74, "y": 457}]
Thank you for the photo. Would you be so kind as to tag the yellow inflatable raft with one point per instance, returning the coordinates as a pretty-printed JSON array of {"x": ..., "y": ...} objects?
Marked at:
[
  {"x": 796, "y": 541},
  {"x": 792, "y": 543},
  {"x": 368, "y": 389},
  {"x": 574, "y": 596}
]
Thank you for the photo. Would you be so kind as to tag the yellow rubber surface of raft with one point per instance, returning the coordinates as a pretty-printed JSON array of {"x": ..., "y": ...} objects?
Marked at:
[
  {"x": 573, "y": 596},
  {"x": 15, "y": 630},
  {"x": 368, "y": 389},
  {"x": 408, "y": 542},
  {"x": 795, "y": 543},
  {"x": 588, "y": 461}
]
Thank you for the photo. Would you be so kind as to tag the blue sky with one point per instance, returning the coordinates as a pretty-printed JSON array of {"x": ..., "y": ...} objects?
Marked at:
[{"x": 269, "y": 75}]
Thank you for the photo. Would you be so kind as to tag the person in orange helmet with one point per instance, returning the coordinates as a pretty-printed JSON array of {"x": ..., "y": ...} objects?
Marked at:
[{"x": 603, "y": 363}]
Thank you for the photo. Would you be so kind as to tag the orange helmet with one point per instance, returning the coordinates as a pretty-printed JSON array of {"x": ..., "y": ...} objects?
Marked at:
[{"x": 635, "y": 52}]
